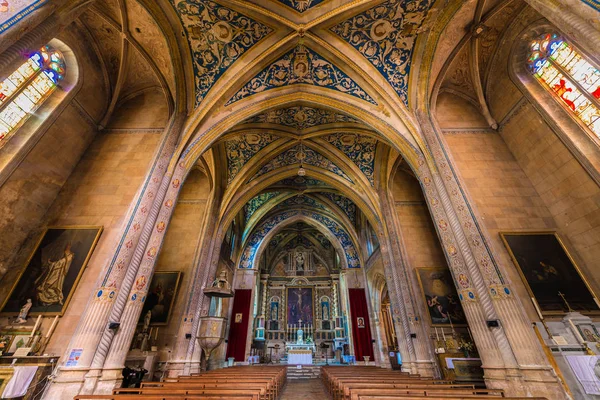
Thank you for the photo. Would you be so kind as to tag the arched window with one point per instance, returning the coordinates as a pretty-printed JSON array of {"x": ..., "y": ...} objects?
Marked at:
[
  {"x": 27, "y": 88},
  {"x": 573, "y": 79}
]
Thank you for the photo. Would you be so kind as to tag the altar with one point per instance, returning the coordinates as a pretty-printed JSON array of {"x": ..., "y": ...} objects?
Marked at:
[{"x": 300, "y": 357}]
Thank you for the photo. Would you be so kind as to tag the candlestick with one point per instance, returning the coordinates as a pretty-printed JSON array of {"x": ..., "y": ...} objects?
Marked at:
[
  {"x": 156, "y": 334},
  {"x": 37, "y": 323},
  {"x": 576, "y": 332},
  {"x": 469, "y": 331},
  {"x": 437, "y": 336},
  {"x": 443, "y": 335},
  {"x": 51, "y": 330},
  {"x": 451, "y": 326}
]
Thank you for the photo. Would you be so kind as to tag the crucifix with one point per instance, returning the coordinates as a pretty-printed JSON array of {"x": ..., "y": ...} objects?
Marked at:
[{"x": 566, "y": 302}]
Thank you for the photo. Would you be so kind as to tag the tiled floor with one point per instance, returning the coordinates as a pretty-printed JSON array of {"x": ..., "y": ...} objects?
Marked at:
[{"x": 304, "y": 389}]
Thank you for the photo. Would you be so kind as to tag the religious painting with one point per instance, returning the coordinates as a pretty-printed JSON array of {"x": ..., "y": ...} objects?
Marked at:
[
  {"x": 588, "y": 332},
  {"x": 441, "y": 297},
  {"x": 238, "y": 318},
  {"x": 360, "y": 322},
  {"x": 6, "y": 373},
  {"x": 549, "y": 272},
  {"x": 299, "y": 305},
  {"x": 161, "y": 296},
  {"x": 53, "y": 270}
]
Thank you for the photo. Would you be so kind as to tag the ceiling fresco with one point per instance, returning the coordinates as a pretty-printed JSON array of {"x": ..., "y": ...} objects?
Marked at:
[
  {"x": 337, "y": 230},
  {"x": 385, "y": 35},
  {"x": 297, "y": 154},
  {"x": 301, "y": 5},
  {"x": 359, "y": 148},
  {"x": 242, "y": 148},
  {"x": 344, "y": 203},
  {"x": 257, "y": 202},
  {"x": 301, "y": 182},
  {"x": 301, "y": 65},
  {"x": 301, "y": 201},
  {"x": 14, "y": 11},
  {"x": 300, "y": 117},
  {"x": 218, "y": 36}
]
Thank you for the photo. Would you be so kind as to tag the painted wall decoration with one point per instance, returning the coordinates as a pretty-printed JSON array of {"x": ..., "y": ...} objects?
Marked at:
[
  {"x": 257, "y": 202},
  {"x": 301, "y": 65},
  {"x": 161, "y": 297},
  {"x": 299, "y": 305},
  {"x": 547, "y": 269},
  {"x": 305, "y": 154},
  {"x": 242, "y": 148},
  {"x": 322, "y": 239},
  {"x": 301, "y": 5},
  {"x": 385, "y": 35},
  {"x": 344, "y": 203},
  {"x": 301, "y": 200},
  {"x": 301, "y": 117},
  {"x": 53, "y": 270},
  {"x": 359, "y": 148},
  {"x": 218, "y": 36},
  {"x": 441, "y": 297},
  {"x": 13, "y": 11}
]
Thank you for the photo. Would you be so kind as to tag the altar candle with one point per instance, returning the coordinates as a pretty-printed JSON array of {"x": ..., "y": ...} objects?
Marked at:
[
  {"x": 51, "y": 330},
  {"x": 443, "y": 335},
  {"x": 37, "y": 323},
  {"x": 469, "y": 331},
  {"x": 576, "y": 332},
  {"x": 450, "y": 319},
  {"x": 156, "y": 333},
  {"x": 437, "y": 336}
]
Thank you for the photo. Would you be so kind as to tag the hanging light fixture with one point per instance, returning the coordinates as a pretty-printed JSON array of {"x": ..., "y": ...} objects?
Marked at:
[{"x": 301, "y": 155}]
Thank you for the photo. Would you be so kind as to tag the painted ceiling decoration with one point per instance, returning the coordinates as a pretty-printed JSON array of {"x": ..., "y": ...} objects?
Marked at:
[
  {"x": 301, "y": 5},
  {"x": 242, "y": 148},
  {"x": 301, "y": 117},
  {"x": 257, "y": 202},
  {"x": 297, "y": 154},
  {"x": 322, "y": 239},
  {"x": 301, "y": 182},
  {"x": 344, "y": 203},
  {"x": 595, "y": 4},
  {"x": 359, "y": 148},
  {"x": 258, "y": 235},
  {"x": 301, "y": 65},
  {"x": 385, "y": 35},
  {"x": 15, "y": 10},
  {"x": 302, "y": 201},
  {"x": 218, "y": 36},
  {"x": 299, "y": 240}
]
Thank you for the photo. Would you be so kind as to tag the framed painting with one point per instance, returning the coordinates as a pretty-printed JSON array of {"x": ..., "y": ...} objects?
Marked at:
[
  {"x": 441, "y": 297},
  {"x": 549, "y": 273},
  {"x": 161, "y": 296},
  {"x": 300, "y": 305},
  {"x": 53, "y": 270},
  {"x": 5, "y": 374}
]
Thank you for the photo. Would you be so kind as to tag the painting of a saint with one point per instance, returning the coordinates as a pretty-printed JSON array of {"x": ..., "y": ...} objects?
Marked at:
[
  {"x": 440, "y": 296},
  {"x": 299, "y": 305},
  {"x": 160, "y": 297},
  {"x": 547, "y": 269},
  {"x": 53, "y": 270}
]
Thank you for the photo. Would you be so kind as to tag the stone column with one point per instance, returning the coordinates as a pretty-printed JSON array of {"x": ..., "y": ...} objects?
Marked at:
[
  {"x": 512, "y": 357},
  {"x": 116, "y": 279},
  {"x": 418, "y": 359},
  {"x": 575, "y": 18}
]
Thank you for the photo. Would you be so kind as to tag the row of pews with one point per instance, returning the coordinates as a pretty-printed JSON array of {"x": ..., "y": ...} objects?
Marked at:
[
  {"x": 372, "y": 383},
  {"x": 237, "y": 383}
]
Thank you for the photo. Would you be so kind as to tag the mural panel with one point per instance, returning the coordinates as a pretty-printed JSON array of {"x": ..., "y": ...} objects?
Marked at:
[
  {"x": 441, "y": 298},
  {"x": 299, "y": 305}
]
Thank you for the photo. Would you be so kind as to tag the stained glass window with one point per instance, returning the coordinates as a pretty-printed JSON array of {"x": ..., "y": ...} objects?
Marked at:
[
  {"x": 573, "y": 79},
  {"x": 25, "y": 89}
]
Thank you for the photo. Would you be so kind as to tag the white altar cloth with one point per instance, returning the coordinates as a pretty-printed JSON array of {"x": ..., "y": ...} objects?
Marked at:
[{"x": 300, "y": 359}]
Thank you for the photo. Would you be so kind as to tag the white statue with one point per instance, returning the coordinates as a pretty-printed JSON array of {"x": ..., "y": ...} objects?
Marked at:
[
  {"x": 22, "y": 318},
  {"x": 147, "y": 319},
  {"x": 299, "y": 261},
  {"x": 300, "y": 336}
]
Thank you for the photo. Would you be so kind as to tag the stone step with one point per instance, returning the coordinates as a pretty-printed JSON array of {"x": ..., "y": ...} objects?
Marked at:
[{"x": 306, "y": 372}]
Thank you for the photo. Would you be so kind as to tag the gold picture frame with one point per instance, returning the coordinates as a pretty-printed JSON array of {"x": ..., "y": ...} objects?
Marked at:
[
  {"x": 460, "y": 318},
  {"x": 51, "y": 245},
  {"x": 5, "y": 375},
  {"x": 550, "y": 263}
]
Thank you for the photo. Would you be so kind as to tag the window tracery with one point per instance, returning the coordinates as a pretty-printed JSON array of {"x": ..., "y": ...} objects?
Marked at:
[{"x": 26, "y": 89}]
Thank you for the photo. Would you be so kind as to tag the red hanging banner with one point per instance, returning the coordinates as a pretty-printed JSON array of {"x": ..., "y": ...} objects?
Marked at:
[
  {"x": 361, "y": 328},
  {"x": 238, "y": 327}
]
